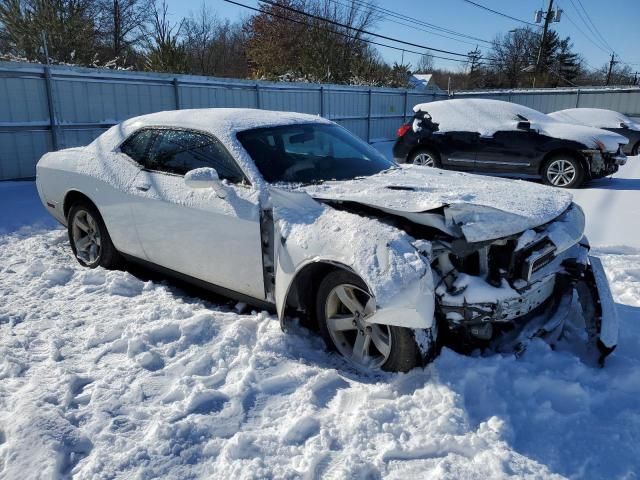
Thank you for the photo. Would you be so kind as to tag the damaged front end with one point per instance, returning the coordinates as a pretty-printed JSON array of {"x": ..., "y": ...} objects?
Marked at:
[
  {"x": 505, "y": 292},
  {"x": 602, "y": 163}
]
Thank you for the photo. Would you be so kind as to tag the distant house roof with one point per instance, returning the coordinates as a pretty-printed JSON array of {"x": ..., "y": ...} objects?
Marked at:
[{"x": 422, "y": 81}]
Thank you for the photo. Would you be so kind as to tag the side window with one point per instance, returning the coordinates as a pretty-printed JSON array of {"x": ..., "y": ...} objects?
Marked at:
[
  {"x": 137, "y": 145},
  {"x": 178, "y": 151}
]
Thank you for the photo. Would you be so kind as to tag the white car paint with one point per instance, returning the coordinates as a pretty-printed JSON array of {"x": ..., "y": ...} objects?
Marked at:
[
  {"x": 154, "y": 216},
  {"x": 217, "y": 234}
]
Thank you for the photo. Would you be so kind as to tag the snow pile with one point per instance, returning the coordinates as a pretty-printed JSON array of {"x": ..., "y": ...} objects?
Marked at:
[
  {"x": 595, "y": 117},
  {"x": 490, "y": 116},
  {"x": 107, "y": 375}
]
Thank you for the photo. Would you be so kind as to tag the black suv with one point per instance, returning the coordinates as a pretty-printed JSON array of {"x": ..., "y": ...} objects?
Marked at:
[{"x": 502, "y": 138}]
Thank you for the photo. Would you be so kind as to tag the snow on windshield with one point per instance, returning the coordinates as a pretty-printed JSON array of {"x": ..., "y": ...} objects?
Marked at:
[
  {"x": 489, "y": 116},
  {"x": 595, "y": 117}
]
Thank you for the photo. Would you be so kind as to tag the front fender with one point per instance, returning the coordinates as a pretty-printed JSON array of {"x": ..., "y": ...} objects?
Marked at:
[{"x": 397, "y": 275}]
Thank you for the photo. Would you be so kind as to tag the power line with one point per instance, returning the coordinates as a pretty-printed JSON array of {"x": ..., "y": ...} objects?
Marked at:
[
  {"x": 413, "y": 20},
  {"x": 500, "y": 13},
  {"x": 584, "y": 34},
  {"x": 333, "y": 22},
  {"x": 589, "y": 28},
  {"x": 409, "y": 24},
  {"x": 342, "y": 33},
  {"x": 594, "y": 26}
]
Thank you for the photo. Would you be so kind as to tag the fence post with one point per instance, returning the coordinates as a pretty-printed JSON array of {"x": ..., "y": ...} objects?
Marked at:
[
  {"x": 176, "y": 92},
  {"x": 369, "y": 119},
  {"x": 258, "y": 102},
  {"x": 406, "y": 105},
  {"x": 50, "y": 103},
  {"x": 577, "y": 98},
  {"x": 322, "y": 100}
]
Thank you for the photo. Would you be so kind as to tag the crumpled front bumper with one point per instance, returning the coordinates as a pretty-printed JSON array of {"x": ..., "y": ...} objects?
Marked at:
[
  {"x": 608, "y": 328},
  {"x": 544, "y": 309}
]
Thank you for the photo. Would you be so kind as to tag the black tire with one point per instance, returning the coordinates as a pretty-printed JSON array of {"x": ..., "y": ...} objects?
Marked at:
[
  {"x": 636, "y": 149},
  {"x": 433, "y": 154},
  {"x": 404, "y": 354},
  {"x": 553, "y": 166},
  {"x": 107, "y": 256}
]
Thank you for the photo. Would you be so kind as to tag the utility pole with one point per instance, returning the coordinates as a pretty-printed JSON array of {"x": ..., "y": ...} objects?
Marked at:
[
  {"x": 612, "y": 62},
  {"x": 547, "y": 20}
]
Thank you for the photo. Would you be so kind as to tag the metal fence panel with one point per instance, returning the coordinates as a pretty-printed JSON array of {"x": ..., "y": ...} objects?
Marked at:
[
  {"x": 19, "y": 151},
  {"x": 44, "y": 108},
  {"x": 23, "y": 100}
]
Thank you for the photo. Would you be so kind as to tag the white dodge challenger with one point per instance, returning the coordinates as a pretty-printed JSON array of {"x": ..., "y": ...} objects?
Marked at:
[{"x": 292, "y": 212}]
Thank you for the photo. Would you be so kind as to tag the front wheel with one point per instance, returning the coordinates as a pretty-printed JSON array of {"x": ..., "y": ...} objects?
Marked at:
[
  {"x": 89, "y": 238},
  {"x": 563, "y": 171},
  {"x": 425, "y": 158},
  {"x": 343, "y": 308}
]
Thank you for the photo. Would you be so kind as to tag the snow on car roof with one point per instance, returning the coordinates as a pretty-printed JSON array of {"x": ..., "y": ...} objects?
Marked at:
[
  {"x": 487, "y": 117},
  {"x": 218, "y": 121},
  {"x": 595, "y": 117},
  {"x": 223, "y": 123},
  {"x": 477, "y": 115}
]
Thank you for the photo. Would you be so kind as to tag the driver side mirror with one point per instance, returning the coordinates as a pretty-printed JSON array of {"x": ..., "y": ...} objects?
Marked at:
[
  {"x": 524, "y": 126},
  {"x": 205, "y": 178}
]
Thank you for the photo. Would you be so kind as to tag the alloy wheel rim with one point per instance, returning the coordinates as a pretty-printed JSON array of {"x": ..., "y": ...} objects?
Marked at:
[
  {"x": 86, "y": 237},
  {"x": 424, "y": 160},
  {"x": 347, "y": 309},
  {"x": 561, "y": 173}
]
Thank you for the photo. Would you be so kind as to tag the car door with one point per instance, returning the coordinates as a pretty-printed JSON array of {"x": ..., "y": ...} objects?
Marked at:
[
  {"x": 214, "y": 237},
  {"x": 512, "y": 152},
  {"x": 457, "y": 149}
]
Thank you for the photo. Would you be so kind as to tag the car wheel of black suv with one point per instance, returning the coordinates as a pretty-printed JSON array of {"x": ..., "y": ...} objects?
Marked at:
[
  {"x": 563, "y": 171},
  {"x": 425, "y": 157},
  {"x": 343, "y": 305},
  {"x": 89, "y": 238}
]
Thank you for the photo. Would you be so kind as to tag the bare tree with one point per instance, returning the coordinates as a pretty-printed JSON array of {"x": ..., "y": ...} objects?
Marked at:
[
  {"x": 122, "y": 25},
  {"x": 166, "y": 51},
  {"x": 284, "y": 40},
  {"x": 425, "y": 64},
  {"x": 214, "y": 47},
  {"x": 67, "y": 25}
]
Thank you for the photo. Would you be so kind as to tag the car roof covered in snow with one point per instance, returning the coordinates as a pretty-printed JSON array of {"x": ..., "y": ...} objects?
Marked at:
[
  {"x": 487, "y": 117},
  {"x": 595, "y": 117},
  {"x": 223, "y": 123},
  {"x": 219, "y": 121}
]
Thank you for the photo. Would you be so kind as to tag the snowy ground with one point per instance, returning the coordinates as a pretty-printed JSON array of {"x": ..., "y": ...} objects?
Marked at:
[{"x": 107, "y": 375}]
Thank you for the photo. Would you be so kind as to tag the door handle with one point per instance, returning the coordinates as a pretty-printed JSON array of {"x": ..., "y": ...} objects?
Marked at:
[{"x": 143, "y": 187}]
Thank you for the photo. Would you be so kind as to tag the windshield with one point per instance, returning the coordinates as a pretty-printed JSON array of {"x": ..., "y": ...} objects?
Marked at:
[{"x": 309, "y": 153}]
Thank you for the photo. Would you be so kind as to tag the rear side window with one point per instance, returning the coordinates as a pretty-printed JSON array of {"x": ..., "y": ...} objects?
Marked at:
[
  {"x": 179, "y": 151},
  {"x": 137, "y": 145}
]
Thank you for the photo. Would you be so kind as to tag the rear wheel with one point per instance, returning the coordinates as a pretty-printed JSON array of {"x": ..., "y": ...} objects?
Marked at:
[
  {"x": 636, "y": 149},
  {"x": 563, "y": 171},
  {"x": 89, "y": 238},
  {"x": 343, "y": 308},
  {"x": 425, "y": 157}
]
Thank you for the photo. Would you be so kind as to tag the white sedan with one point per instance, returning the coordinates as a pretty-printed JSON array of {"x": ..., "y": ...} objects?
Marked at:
[{"x": 293, "y": 213}]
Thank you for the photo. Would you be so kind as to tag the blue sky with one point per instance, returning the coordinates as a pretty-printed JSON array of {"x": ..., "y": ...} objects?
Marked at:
[{"x": 617, "y": 20}]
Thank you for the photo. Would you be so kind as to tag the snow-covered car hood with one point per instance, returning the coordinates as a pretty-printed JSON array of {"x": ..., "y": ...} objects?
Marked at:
[{"x": 477, "y": 207}]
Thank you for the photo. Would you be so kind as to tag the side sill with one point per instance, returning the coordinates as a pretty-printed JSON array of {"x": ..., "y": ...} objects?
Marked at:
[{"x": 225, "y": 292}]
